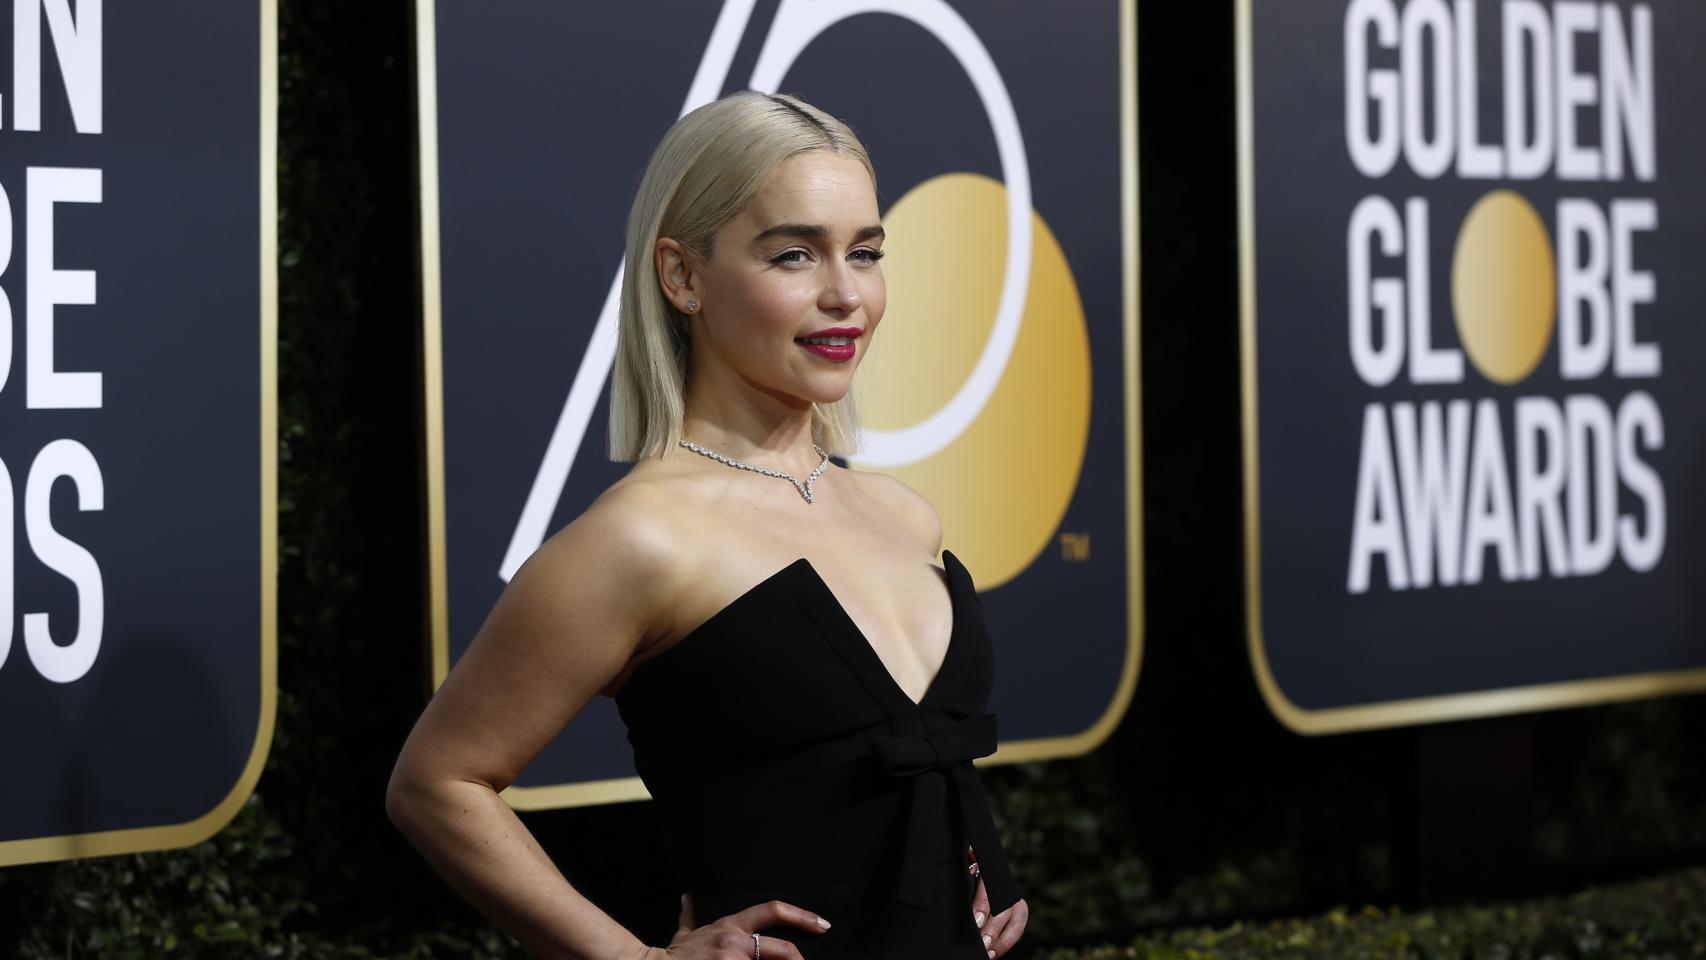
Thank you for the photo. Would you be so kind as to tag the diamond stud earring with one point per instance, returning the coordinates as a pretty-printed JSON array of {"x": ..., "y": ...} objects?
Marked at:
[{"x": 692, "y": 305}]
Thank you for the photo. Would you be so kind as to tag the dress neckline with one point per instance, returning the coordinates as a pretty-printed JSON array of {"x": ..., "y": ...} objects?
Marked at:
[{"x": 845, "y": 626}]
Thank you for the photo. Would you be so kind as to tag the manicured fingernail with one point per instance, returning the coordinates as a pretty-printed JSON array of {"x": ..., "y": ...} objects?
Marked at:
[
  {"x": 823, "y": 923},
  {"x": 992, "y": 955},
  {"x": 986, "y": 940},
  {"x": 978, "y": 916}
]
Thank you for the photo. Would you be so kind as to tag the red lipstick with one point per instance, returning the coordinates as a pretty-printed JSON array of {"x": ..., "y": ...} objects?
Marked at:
[{"x": 836, "y": 352}]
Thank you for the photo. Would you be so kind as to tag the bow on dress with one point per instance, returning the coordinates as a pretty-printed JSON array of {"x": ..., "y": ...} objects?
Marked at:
[{"x": 936, "y": 760}]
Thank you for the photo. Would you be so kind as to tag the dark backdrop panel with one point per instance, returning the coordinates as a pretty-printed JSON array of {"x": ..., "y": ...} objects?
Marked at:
[
  {"x": 545, "y": 121},
  {"x": 158, "y": 730},
  {"x": 1327, "y": 646}
]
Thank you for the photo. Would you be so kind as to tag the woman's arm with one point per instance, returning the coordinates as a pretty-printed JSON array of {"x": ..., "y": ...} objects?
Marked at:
[{"x": 566, "y": 625}]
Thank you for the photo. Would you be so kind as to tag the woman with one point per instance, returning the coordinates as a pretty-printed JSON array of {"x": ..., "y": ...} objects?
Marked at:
[{"x": 804, "y": 687}]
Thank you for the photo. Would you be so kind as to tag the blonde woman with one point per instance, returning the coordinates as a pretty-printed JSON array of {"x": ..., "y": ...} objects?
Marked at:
[{"x": 804, "y": 686}]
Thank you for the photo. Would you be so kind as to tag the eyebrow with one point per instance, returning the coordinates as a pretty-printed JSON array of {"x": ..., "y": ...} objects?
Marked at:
[{"x": 812, "y": 231}]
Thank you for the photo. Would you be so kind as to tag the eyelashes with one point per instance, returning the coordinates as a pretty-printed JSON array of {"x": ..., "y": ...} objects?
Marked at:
[{"x": 871, "y": 256}]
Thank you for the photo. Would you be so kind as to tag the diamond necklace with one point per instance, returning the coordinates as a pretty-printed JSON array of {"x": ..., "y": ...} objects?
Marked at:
[{"x": 804, "y": 488}]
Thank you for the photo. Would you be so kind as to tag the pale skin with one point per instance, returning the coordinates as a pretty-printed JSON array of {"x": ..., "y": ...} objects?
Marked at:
[{"x": 674, "y": 541}]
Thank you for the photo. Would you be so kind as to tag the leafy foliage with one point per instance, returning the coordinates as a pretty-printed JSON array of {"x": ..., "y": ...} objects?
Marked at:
[{"x": 1659, "y": 917}]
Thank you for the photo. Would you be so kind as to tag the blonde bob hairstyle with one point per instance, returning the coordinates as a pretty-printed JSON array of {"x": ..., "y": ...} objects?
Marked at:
[{"x": 702, "y": 174}]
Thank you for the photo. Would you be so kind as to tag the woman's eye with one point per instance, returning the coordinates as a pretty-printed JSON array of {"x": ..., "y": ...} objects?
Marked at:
[{"x": 799, "y": 256}]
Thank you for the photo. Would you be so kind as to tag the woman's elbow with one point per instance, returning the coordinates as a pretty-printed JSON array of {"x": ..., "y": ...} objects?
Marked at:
[{"x": 402, "y": 797}]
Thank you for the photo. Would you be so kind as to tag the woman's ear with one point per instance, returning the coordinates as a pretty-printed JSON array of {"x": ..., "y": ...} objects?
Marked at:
[{"x": 675, "y": 274}]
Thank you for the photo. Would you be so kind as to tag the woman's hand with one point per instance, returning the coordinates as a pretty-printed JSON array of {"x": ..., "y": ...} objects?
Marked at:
[
  {"x": 1003, "y": 930},
  {"x": 731, "y": 936}
]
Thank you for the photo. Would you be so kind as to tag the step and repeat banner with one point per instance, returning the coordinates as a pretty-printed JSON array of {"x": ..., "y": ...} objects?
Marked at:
[
  {"x": 1473, "y": 339},
  {"x": 1002, "y": 385},
  {"x": 137, "y": 422}
]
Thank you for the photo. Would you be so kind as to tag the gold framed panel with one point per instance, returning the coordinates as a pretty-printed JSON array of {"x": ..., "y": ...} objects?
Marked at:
[
  {"x": 1459, "y": 706},
  {"x": 141, "y": 839},
  {"x": 618, "y": 789}
]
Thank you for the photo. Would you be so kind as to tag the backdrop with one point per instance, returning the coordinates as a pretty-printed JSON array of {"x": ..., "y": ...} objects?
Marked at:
[
  {"x": 1001, "y": 386},
  {"x": 137, "y": 412},
  {"x": 1475, "y": 429}
]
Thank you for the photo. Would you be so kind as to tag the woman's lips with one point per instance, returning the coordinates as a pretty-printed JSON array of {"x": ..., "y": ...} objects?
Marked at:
[{"x": 839, "y": 353}]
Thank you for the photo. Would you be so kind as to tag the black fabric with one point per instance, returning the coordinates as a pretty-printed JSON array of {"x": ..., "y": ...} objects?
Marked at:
[{"x": 788, "y": 764}]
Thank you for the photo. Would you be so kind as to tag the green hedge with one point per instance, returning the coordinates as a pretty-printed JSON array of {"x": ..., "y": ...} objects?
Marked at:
[{"x": 1660, "y": 917}]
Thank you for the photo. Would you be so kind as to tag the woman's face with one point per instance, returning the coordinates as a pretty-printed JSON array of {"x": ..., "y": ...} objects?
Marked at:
[{"x": 799, "y": 261}]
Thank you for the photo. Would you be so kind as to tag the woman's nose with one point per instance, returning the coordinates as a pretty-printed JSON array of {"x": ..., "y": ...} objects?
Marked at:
[{"x": 841, "y": 292}]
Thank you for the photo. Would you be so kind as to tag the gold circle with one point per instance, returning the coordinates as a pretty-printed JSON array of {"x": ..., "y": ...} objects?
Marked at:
[
  {"x": 1503, "y": 286},
  {"x": 1004, "y": 484}
]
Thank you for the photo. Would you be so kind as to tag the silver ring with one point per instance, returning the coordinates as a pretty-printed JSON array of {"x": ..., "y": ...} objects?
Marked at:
[{"x": 755, "y": 946}]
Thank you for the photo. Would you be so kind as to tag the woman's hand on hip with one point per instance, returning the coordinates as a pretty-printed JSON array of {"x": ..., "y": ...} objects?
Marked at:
[
  {"x": 731, "y": 936},
  {"x": 1003, "y": 930}
]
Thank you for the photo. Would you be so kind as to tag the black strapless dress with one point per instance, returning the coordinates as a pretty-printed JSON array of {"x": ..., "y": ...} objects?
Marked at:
[{"x": 787, "y": 763}]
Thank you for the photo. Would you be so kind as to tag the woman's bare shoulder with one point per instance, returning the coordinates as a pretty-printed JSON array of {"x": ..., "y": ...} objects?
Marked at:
[
  {"x": 570, "y": 621},
  {"x": 637, "y": 524},
  {"x": 912, "y": 508}
]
